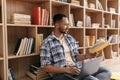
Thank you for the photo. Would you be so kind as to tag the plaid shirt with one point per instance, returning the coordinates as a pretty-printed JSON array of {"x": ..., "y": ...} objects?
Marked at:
[{"x": 52, "y": 51}]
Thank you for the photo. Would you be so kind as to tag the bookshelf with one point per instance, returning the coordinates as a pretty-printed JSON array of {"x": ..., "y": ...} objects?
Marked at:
[
  {"x": 2, "y": 43},
  {"x": 96, "y": 21}
]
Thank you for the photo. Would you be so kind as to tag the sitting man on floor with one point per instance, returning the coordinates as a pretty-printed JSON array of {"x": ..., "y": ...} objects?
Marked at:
[{"x": 59, "y": 54}]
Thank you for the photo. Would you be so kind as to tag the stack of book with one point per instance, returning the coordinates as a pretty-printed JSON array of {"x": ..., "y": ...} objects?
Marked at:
[
  {"x": 79, "y": 24},
  {"x": 17, "y": 18},
  {"x": 112, "y": 10},
  {"x": 95, "y": 25},
  {"x": 62, "y": 0},
  {"x": 74, "y": 2},
  {"x": 24, "y": 46},
  {"x": 36, "y": 73},
  {"x": 91, "y": 5}
]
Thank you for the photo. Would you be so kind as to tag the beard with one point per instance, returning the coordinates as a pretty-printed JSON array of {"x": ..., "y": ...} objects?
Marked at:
[{"x": 63, "y": 31}]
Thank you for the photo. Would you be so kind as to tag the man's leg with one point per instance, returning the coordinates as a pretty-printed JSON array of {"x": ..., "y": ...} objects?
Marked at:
[
  {"x": 103, "y": 74},
  {"x": 86, "y": 77},
  {"x": 90, "y": 78},
  {"x": 63, "y": 77}
]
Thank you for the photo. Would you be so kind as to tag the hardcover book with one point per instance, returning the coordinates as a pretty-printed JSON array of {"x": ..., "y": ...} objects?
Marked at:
[
  {"x": 36, "y": 13},
  {"x": 99, "y": 45}
]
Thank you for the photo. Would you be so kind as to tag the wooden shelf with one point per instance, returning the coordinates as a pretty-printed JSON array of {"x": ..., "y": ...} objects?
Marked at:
[
  {"x": 74, "y": 6},
  {"x": 35, "y": 1},
  {"x": 10, "y": 33},
  {"x": 59, "y": 3},
  {"x": 1, "y": 59},
  {"x": 21, "y": 25},
  {"x": 11, "y": 56},
  {"x": 1, "y": 24}
]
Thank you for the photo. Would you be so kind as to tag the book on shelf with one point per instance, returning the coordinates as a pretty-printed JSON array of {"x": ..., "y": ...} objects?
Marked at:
[
  {"x": 32, "y": 45},
  {"x": 99, "y": 5},
  {"x": 24, "y": 46},
  {"x": 40, "y": 16},
  {"x": 79, "y": 24},
  {"x": 112, "y": 10},
  {"x": 88, "y": 21},
  {"x": 61, "y": 0},
  {"x": 114, "y": 53},
  {"x": 86, "y": 40},
  {"x": 95, "y": 25},
  {"x": 27, "y": 47},
  {"x": 113, "y": 23},
  {"x": 36, "y": 14},
  {"x": 89, "y": 40},
  {"x": 18, "y": 46},
  {"x": 39, "y": 41},
  {"x": 71, "y": 19},
  {"x": 103, "y": 22},
  {"x": 86, "y": 3},
  {"x": 99, "y": 45},
  {"x": 113, "y": 38},
  {"x": 91, "y": 5},
  {"x": 17, "y": 18},
  {"x": 74, "y": 2},
  {"x": 11, "y": 74}
]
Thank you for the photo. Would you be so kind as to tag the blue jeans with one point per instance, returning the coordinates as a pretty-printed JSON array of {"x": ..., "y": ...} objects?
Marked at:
[{"x": 102, "y": 74}]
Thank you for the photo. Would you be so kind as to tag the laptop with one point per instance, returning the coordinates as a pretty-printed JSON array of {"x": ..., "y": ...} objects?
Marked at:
[
  {"x": 91, "y": 66},
  {"x": 88, "y": 68}
]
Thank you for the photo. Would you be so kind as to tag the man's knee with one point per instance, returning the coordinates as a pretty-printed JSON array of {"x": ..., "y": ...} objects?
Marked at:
[{"x": 105, "y": 70}]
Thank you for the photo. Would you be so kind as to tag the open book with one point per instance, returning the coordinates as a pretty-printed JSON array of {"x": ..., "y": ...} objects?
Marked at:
[{"x": 99, "y": 45}]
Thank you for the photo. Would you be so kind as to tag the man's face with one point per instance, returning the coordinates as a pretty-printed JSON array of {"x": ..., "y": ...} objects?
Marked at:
[{"x": 64, "y": 25}]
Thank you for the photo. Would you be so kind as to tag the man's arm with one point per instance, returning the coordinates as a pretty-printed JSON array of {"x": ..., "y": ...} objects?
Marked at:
[
  {"x": 54, "y": 70},
  {"x": 85, "y": 56}
]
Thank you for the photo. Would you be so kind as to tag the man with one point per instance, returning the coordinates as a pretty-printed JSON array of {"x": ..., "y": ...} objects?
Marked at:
[{"x": 59, "y": 54}]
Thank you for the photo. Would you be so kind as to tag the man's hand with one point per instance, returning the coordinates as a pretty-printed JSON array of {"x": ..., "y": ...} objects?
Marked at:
[
  {"x": 89, "y": 56},
  {"x": 98, "y": 54},
  {"x": 73, "y": 71}
]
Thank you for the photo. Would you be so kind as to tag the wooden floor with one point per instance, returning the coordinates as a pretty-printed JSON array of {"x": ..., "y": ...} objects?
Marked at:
[{"x": 113, "y": 64}]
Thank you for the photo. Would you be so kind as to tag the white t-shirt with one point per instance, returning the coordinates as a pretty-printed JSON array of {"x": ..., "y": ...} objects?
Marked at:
[{"x": 67, "y": 52}]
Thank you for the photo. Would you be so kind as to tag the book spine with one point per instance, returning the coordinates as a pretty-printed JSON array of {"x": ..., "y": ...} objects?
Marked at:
[{"x": 36, "y": 15}]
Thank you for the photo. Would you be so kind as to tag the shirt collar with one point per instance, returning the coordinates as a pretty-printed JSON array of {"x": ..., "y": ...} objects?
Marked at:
[{"x": 53, "y": 35}]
